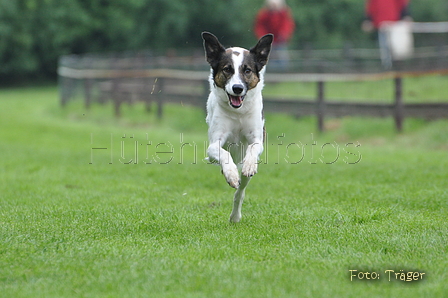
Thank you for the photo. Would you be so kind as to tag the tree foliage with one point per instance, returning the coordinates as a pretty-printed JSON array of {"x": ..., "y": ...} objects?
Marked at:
[{"x": 34, "y": 33}]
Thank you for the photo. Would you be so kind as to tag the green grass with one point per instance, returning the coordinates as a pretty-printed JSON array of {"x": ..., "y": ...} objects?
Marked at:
[{"x": 158, "y": 227}]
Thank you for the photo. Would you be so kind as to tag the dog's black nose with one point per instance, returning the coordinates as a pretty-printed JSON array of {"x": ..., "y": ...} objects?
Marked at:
[{"x": 237, "y": 88}]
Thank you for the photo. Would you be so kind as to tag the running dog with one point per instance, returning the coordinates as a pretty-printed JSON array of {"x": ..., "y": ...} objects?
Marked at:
[{"x": 235, "y": 111}]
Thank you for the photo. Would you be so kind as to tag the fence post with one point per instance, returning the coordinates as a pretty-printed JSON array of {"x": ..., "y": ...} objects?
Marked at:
[
  {"x": 147, "y": 92},
  {"x": 65, "y": 89},
  {"x": 399, "y": 109},
  {"x": 159, "y": 96},
  {"x": 116, "y": 96},
  {"x": 320, "y": 109},
  {"x": 88, "y": 92},
  {"x": 347, "y": 54}
]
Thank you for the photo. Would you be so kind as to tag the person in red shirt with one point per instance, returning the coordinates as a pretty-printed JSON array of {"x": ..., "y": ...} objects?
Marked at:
[
  {"x": 380, "y": 13},
  {"x": 276, "y": 18}
]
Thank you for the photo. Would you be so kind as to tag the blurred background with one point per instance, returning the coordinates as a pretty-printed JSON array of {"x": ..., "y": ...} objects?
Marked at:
[{"x": 35, "y": 33}]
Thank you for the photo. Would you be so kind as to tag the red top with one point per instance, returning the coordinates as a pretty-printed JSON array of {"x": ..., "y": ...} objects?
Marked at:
[
  {"x": 379, "y": 11},
  {"x": 280, "y": 23}
]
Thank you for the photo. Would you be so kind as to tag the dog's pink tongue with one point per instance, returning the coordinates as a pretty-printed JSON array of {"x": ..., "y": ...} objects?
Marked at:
[{"x": 236, "y": 100}]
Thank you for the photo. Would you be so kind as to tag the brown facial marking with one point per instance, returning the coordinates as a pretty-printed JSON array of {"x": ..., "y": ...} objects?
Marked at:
[
  {"x": 248, "y": 71},
  {"x": 236, "y": 53},
  {"x": 220, "y": 76},
  {"x": 251, "y": 79},
  {"x": 220, "y": 79}
]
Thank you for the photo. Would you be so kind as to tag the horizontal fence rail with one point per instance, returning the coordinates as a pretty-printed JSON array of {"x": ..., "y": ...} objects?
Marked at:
[
  {"x": 430, "y": 27},
  {"x": 122, "y": 81}
]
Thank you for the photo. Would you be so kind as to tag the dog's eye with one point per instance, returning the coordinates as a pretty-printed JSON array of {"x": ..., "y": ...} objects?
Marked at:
[
  {"x": 247, "y": 71},
  {"x": 228, "y": 69}
]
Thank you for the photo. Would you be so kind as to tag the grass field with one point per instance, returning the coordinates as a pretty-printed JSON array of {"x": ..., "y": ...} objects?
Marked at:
[{"x": 147, "y": 217}]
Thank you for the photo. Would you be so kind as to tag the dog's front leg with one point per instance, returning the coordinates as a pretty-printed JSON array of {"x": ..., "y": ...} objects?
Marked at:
[
  {"x": 250, "y": 162},
  {"x": 217, "y": 154},
  {"x": 238, "y": 198}
]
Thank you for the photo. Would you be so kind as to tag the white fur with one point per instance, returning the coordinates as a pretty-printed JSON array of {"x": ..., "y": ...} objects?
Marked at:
[
  {"x": 236, "y": 135},
  {"x": 236, "y": 79}
]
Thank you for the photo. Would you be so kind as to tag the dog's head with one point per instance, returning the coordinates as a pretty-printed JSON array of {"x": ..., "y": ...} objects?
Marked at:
[{"x": 236, "y": 70}]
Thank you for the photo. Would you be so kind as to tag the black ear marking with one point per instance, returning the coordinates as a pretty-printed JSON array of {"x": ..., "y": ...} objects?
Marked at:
[
  {"x": 262, "y": 49},
  {"x": 213, "y": 48}
]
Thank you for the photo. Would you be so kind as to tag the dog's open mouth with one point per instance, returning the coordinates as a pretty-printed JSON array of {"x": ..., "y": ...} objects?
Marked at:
[{"x": 236, "y": 101}]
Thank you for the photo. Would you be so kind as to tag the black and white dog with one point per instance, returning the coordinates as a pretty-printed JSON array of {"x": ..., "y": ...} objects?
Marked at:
[{"x": 234, "y": 111}]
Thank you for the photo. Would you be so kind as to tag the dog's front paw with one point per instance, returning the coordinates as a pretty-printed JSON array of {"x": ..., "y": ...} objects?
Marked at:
[
  {"x": 250, "y": 167},
  {"x": 231, "y": 174},
  {"x": 235, "y": 217}
]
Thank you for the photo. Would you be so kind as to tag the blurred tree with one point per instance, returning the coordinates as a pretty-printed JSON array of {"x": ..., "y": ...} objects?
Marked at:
[
  {"x": 16, "y": 41},
  {"x": 329, "y": 23},
  {"x": 429, "y": 10},
  {"x": 34, "y": 33}
]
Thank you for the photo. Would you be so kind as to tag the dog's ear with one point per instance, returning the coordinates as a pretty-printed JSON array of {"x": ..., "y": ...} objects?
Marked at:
[
  {"x": 262, "y": 49},
  {"x": 213, "y": 48}
]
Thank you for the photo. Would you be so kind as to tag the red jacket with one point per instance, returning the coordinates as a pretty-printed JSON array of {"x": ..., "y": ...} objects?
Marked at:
[
  {"x": 280, "y": 23},
  {"x": 379, "y": 11}
]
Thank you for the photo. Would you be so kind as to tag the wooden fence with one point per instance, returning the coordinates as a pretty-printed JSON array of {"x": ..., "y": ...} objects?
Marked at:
[{"x": 191, "y": 87}]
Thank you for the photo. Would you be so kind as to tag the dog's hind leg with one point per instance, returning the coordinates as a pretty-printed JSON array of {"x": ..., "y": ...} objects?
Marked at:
[{"x": 238, "y": 198}]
